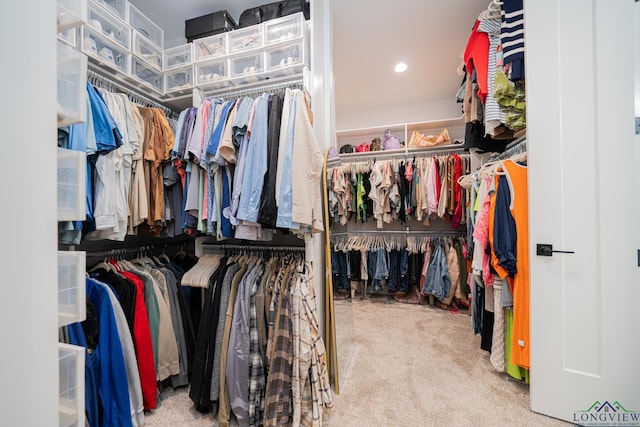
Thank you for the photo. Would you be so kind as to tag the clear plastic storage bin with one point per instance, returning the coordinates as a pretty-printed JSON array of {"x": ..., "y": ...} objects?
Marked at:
[
  {"x": 71, "y": 13},
  {"x": 147, "y": 50},
  {"x": 245, "y": 39},
  {"x": 146, "y": 26},
  {"x": 104, "y": 51},
  {"x": 179, "y": 79},
  {"x": 71, "y": 398},
  {"x": 71, "y": 82},
  {"x": 212, "y": 74},
  {"x": 285, "y": 59},
  {"x": 244, "y": 69},
  {"x": 72, "y": 305},
  {"x": 72, "y": 172},
  {"x": 110, "y": 26},
  {"x": 117, "y": 7},
  {"x": 68, "y": 37},
  {"x": 283, "y": 29},
  {"x": 177, "y": 57},
  {"x": 210, "y": 47},
  {"x": 146, "y": 74}
]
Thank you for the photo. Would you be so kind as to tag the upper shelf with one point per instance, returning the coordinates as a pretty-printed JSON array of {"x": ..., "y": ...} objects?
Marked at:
[
  {"x": 71, "y": 14},
  {"x": 214, "y": 65},
  {"x": 355, "y": 137}
]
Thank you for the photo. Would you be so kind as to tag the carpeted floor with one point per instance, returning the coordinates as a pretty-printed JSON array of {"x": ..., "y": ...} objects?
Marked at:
[{"x": 407, "y": 365}]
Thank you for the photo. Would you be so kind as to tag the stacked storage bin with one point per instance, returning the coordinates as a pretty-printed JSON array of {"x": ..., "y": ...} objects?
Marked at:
[
  {"x": 178, "y": 69},
  {"x": 147, "y": 49},
  {"x": 275, "y": 48},
  {"x": 72, "y": 65},
  {"x": 126, "y": 43},
  {"x": 211, "y": 64},
  {"x": 106, "y": 38},
  {"x": 71, "y": 95},
  {"x": 285, "y": 45}
]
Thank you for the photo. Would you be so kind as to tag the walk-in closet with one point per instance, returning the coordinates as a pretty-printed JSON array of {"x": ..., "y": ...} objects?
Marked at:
[{"x": 320, "y": 213}]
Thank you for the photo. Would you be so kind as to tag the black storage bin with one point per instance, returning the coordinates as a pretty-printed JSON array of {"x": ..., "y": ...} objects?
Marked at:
[
  {"x": 289, "y": 7},
  {"x": 249, "y": 17},
  {"x": 259, "y": 14},
  {"x": 208, "y": 25},
  {"x": 271, "y": 11}
]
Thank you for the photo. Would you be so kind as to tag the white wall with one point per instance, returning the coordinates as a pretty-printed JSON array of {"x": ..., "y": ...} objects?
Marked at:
[
  {"x": 28, "y": 260},
  {"x": 398, "y": 114},
  {"x": 322, "y": 98}
]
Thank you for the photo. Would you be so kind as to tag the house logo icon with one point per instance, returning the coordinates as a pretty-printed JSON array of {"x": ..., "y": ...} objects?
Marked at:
[{"x": 607, "y": 414}]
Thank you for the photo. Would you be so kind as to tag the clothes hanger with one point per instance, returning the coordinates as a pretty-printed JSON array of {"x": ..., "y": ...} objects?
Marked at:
[
  {"x": 104, "y": 264},
  {"x": 163, "y": 256}
]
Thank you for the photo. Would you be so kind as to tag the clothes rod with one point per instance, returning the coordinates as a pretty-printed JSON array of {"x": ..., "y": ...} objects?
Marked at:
[
  {"x": 206, "y": 247},
  {"x": 258, "y": 89},
  {"x": 397, "y": 154},
  {"x": 117, "y": 253},
  {"x": 518, "y": 146},
  {"x": 105, "y": 82},
  {"x": 516, "y": 142},
  {"x": 399, "y": 232}
]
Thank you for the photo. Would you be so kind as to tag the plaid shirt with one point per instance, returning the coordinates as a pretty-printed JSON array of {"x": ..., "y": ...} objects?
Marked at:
[
  {"x": 257, "y": 378},
  {"x": 278, "y": 389},
  {"x": 301, "y": 346},
  {"x": 316, "y": 391}
]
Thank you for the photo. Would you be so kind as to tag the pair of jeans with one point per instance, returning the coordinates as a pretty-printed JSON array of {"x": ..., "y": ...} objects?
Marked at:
[
  {"x": 415, "y": 268},
  {"x": 399, "y": 270},
  {"x": 438, "y": 281},
  {"x": 339, "y": 270},
  {"x": 394, "y": 270},
  {"x": 354, "y": 265},
  {"x": 372, "y": 259},
  {"x": 381, "y": 271}
]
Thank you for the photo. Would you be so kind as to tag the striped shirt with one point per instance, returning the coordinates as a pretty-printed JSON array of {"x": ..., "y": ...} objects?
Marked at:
[
  {"x": 512, "y": 37},
  {"x": 494, "y": 115}
]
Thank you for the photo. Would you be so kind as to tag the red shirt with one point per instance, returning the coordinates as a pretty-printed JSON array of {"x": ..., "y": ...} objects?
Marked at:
[
  {"x": 143, "y": 346},
  {"x": 476, "y": 56}
]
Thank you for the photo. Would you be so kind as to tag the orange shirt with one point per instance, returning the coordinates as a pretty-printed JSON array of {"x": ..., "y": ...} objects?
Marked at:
[
  {"x": 158, "y": 142},
  {"x": 517, "y": 177}
]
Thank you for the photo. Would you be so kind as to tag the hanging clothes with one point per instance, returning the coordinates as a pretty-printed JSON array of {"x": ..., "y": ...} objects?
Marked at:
[
  {"x": 423, "y": 190},
  {"x": 252, "y": 307},
  {"x": 108, "y": 360},
  {"x": 517, "y": 180},
  {"x": 266, "y": 139}
]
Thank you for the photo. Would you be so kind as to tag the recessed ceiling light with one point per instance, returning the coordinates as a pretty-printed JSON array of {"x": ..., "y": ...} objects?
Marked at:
[{"x": 400, "y": 67}]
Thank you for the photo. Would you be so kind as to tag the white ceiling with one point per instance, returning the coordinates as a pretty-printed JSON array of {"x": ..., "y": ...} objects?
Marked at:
[{"x": 369, "y": 39}]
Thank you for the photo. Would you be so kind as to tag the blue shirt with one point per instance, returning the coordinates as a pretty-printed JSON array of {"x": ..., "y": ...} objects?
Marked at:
[
  {"x": 108, "y": 136},
  {"x": 285, "y": 203},
  {"x": 109, "y": 367},
  {"x": 504, "y": 228},
  {"x": 255, "y": 163},
  {"x": 225, "y": 219},
  {"x": 76, "y": 337}
]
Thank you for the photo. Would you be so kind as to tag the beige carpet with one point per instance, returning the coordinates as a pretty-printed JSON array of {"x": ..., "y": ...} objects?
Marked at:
[{"x": 406, "y": 366}]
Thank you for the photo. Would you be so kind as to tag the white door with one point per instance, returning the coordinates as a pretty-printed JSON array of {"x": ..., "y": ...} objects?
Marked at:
[
  {"x": 636, "y": 38},
  {"x": 585, "y": 307}
]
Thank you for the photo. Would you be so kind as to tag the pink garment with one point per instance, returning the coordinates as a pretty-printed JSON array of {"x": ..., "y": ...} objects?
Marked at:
[
  {"x": 205, "y": 205},
  {"x": 196, "y": 141},
  {"x": 408, "y": 171},
  {"x": 481, "y": 234},
  {"x": 432, "y": 190}
]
